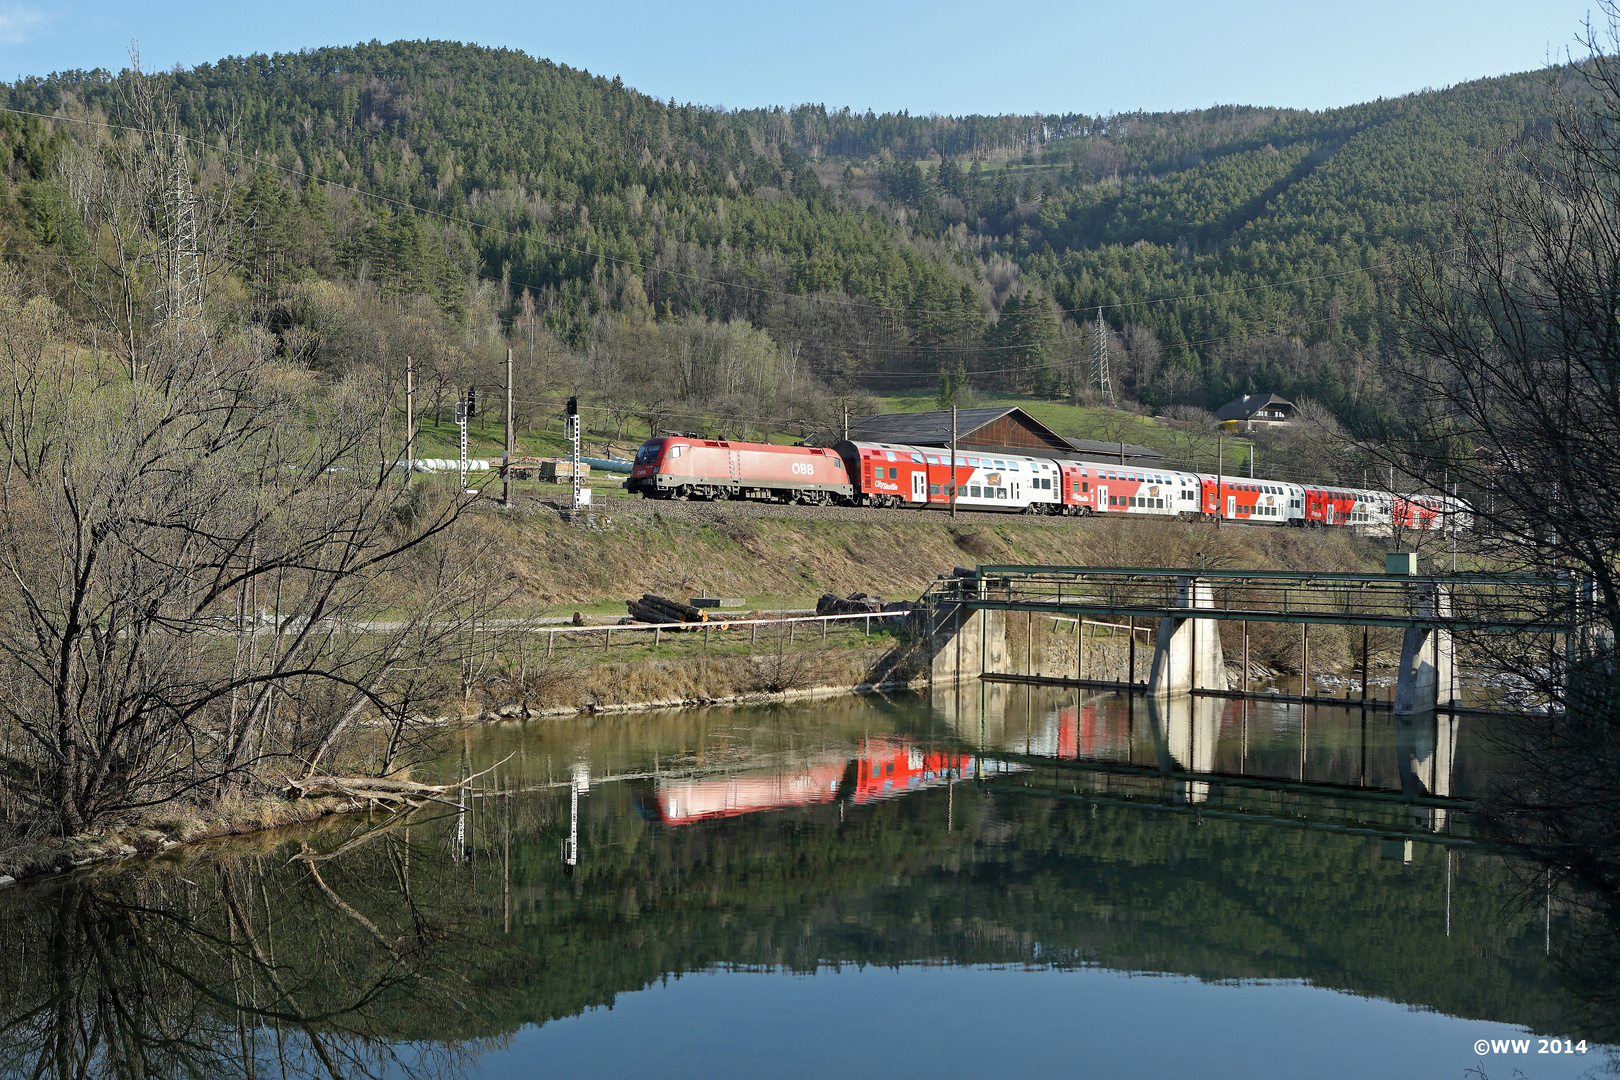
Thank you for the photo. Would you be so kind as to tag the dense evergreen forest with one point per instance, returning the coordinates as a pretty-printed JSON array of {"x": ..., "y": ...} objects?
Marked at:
[{"x": 500, "y": 198}]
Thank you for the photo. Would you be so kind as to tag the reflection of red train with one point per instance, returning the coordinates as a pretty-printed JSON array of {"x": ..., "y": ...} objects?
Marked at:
[
  {"x": 1082, "y": 733},
  {"x": 880, "y": 769}
]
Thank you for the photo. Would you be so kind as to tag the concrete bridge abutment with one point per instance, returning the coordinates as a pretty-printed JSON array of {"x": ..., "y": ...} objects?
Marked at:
[{"x": 964, "y": 643}]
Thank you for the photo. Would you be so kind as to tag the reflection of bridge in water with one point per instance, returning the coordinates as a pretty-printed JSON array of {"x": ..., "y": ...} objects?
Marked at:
[
  {"x": 967, "y": 618},
  {"x": 1314, "y": 766}
]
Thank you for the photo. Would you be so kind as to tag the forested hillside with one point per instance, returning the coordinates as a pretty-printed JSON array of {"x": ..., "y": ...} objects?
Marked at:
[{"x": 496, "y": 197}]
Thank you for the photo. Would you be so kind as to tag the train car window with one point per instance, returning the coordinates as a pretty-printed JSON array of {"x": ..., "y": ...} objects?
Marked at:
[
  {"x": 1012, "y": 466},
  {"x": 1001, "y": 493},
  {"x": 1085, "y": 485},
  {"x": 974, "y": 491},
  {"x": 933, "y": 489},
  {"x": 932, "y": 459},
  {"x": 894, "y": 474},
  {"x": 838, "y": 464},
  {"x": 677, "y": 451},
  {"x": 1000, "y": 464},
  {"x": 889, "y": 455},
  {"x": 918, "y": 458}
]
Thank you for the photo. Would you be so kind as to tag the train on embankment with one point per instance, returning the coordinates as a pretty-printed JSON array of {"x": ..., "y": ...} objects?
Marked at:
[{"x": 898, "y": 476}]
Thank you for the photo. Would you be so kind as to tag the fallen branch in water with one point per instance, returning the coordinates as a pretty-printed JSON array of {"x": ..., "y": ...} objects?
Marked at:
[
  {"x": 375, "y": 789},
  {"x": 381, "y": 788}
]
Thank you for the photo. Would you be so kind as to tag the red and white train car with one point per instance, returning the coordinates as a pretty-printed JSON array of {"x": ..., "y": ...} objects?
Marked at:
[
  {"x": 1251, "y": 501},
  {"x": 1153, "y": 492},
  {"x": 1426, "y": 512},
  {"x": 890, "y": 474}
]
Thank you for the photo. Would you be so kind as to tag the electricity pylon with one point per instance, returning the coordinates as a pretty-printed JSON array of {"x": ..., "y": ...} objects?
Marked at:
[
  {"x": 183, "y": 300},
  {"x": 1105, "y": 382}
]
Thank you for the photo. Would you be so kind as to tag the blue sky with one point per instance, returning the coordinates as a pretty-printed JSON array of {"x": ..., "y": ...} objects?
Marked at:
[{"x": 944, "y": 56}]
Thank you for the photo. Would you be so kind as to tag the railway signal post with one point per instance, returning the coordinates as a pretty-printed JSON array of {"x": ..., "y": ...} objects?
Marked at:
[
  {"x": 461, "y": 420},
  {"x": 506, "y": 459},
  {"x": 410, "y": 419},
  {"x": 581, "y": 498}
]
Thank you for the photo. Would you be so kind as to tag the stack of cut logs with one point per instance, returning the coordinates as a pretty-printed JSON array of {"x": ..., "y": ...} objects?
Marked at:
[
  {"x": 856, "y": 603},
  {"x": 660, "y": 609}
]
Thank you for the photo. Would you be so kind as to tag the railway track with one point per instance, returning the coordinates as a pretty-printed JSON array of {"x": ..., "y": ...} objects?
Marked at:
[{"x": 636, "y": 509}]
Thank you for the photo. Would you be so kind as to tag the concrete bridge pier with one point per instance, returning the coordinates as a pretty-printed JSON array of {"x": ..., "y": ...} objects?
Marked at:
[
  {"x": 1427, "y": 679},
  {"x": 1188, "y": 654}
]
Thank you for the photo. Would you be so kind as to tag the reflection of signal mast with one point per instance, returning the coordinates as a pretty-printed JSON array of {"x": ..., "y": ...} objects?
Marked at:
[
  {"x": 581, "y": 784},
  {"x": 461, "y": 851}
]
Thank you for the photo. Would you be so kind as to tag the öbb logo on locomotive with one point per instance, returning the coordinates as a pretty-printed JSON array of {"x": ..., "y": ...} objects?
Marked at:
[{"x": 898, "y": 476}]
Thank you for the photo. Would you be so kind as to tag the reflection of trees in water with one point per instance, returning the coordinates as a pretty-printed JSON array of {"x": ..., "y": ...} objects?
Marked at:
[
  {"x": 1558, "y": 807},
  {"x": 333, "y": 965},
  {"x": 237, "y": 967}
]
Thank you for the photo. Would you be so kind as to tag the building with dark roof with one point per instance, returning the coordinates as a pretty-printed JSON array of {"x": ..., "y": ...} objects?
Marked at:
[
  {"x": 991, "y": 429},
  {"x": 1123, "y": 452},
  {"x": 1251, "y": 409}
]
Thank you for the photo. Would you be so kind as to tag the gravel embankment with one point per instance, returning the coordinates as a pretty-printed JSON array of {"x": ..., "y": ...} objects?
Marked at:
[{"x": 636, "y": 509}]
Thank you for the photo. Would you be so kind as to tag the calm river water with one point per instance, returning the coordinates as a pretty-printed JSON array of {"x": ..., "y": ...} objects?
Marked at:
[{"x": 1005, "y": 880}]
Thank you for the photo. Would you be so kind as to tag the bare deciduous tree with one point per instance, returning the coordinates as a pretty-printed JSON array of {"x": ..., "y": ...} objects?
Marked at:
[
  {"x": 211, "y": 565},
  {"x": 1517, "y": 396}
]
